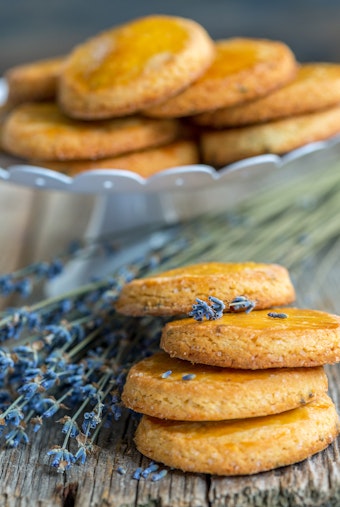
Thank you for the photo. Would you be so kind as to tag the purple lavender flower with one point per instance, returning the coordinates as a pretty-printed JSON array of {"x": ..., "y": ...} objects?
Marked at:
[
  {"x": 116, "y": 411},
  {"x": 54, "y": 269},
  {"x": 16, "y": 436},
  {"x": 29, "y": 389},
  {"x": 242, "y": 304},
  {"x": 159, "y": 475},
  {"x": 62, "y": 458},
  {"x": 49, "y": 379},
  {"x": 53, "y": 408},
  {"x": 6, "y": 361},
  {"x": 153, "y": 467},
  {"x": 200, "y": 310},
  {"x": 26, "y": 356},
  {"x": 23, "y": 287},
  {"x": 14, "y": 416},
  {"x": 89, "y": 390},
  {"x": 91, "y": 420},
  {"x": 218, "y": 306},
  {"x": 37, "y": 423},
  {"x": 69, "y": 426},
  {"x": 137, "y": 473},
  {"x": 58, "y": 335},
  {"x": 32, "y": 373},
  {"x": 6, "y": 285}
]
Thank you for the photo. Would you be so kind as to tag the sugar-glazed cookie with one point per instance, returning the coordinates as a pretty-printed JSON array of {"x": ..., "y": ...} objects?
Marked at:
[
  {"x": 221, "y": 147},
  {"x": 33, "y": 81},
  {"x": 316, "y": 87},
  {"x": 167, "y": 388},
  {"x": 42, "y": 131},
  {"x": 257, "y": 340},
  {"x": 243, "y": 446},
  {"x": 132, "y": 66},
  {"x": 145, "y": 163},
  {"x": 243, "y": 69},
  {"x": 174, "y": 292}
]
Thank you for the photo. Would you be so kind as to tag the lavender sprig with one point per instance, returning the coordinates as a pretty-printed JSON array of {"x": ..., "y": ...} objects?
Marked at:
[
  {"x": 65, "y": 354},
  {"x": 202, "y": 309}
]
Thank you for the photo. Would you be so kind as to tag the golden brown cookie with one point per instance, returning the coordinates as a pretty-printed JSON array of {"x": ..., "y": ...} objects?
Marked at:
[
  {"x": 174, "y": 292},
  {"x": 33, "y": 81},
  {"x": 256, "y": 340},
  {"x": 167, "y": 388},
  {"x": 316, "y": 87},
  {"x": 145, "y": 163},
  {"x": 132, "y": 66},
  {"x": 221, "y": 147},
  {"x": 242, "y": 446},
  {"x": 243, "y": 69},
  {"x": 42, "y": 131}
]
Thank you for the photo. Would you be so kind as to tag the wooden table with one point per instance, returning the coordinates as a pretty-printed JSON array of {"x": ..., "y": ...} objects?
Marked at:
[{"x": 32, "y": 227}]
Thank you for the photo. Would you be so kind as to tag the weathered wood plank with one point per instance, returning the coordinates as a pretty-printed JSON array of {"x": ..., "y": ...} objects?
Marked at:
[
  {"x": 25, "y": 475},
  {"x": 27, "y": 479}
]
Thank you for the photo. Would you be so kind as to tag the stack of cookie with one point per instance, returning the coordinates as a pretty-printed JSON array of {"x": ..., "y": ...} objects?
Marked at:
[
  {"x": 123, "y": 100},
  {"x": 303, "y": 111},
  {"x": 239, "y": 393},
  {"x": 99, "y": 91}
]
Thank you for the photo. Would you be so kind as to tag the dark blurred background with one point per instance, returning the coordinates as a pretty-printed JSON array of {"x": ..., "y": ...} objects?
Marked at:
[{"x": 31, "y": 29}]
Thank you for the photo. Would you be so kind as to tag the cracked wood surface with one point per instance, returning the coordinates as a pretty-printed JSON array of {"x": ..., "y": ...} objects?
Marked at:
[{"x": 26, "y": 478}]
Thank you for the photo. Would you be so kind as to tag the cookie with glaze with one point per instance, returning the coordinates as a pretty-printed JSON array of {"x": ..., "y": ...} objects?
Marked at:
[
  {"x": 256, "y": 340},
  {"x": 132, "y": 66},
  {"x": 242, "y": 446},
  {"x": 315, "y": 87},
  {"x": 145, "y": 162},
  {"x": 170, "y": 388},
  {"x": 34, "y": 81},
  {"x": 174, "y": 292},
  {"x": 243, "y": 69},
  {"x": 221, "y": 147},
  {"x": 41, "y": 131}
]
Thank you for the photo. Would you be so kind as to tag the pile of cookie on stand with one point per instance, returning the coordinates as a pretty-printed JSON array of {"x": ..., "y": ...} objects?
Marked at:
[
  {"x": 158, "y": 92},
  {"x": 240, "y": 386}
]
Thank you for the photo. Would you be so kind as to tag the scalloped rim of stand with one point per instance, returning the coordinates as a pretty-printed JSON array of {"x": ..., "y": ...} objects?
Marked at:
[{"x": 107, "y": 181}]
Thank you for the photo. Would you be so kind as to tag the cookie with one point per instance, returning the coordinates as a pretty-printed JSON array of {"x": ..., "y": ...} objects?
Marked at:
[
  {"x": 256, "y": 340},
  {"x": 242, "y": 446},
  {"x": 145, "y": 163},
  {"x": 243, "y": 69},
  {"x": 42, "y": 131},
  {"x": 316, "y": 87},
  {"x": 221, "y": 147},
  {"x": 167, "y": 388},
  {"x": 132, "y": 66},
  {"x": 33, "y": 81},
  {"x": 174, "y": 292}
]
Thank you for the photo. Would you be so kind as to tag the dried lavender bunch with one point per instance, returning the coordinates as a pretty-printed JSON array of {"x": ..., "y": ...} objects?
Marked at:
[{"x": 65, "y": 353}]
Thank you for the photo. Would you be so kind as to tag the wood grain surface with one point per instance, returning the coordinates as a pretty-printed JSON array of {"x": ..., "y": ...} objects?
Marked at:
[
  {"x": 35, "y": 224},
  {"x": 27, "y": 479}
]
